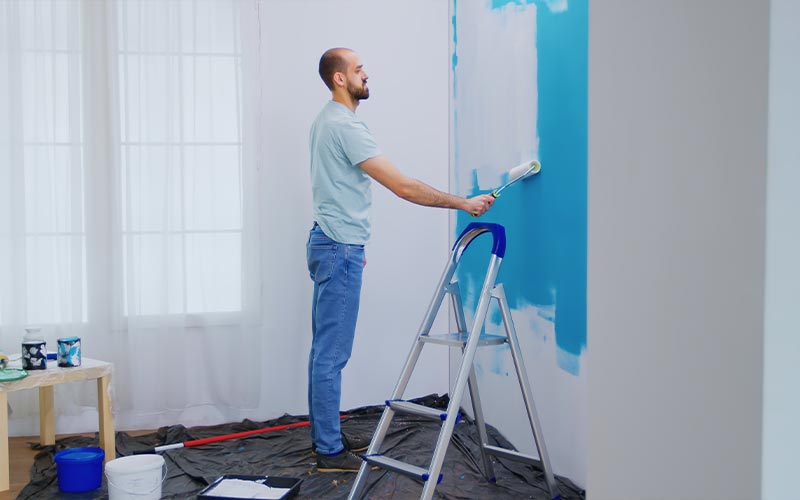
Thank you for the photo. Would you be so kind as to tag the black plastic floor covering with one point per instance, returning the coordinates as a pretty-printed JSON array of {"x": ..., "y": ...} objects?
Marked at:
[{"x": 288, "y": 453}]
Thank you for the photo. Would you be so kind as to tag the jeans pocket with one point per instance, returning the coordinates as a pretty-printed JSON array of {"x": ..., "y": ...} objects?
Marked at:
[
  {"x": 321, "y": 260},
  {"x": 319, "y": 240},
  {"x": 321, "y": 245}
]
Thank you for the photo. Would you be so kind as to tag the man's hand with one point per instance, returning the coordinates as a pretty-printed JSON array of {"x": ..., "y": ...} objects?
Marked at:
[{"x": 478, "y": 205}]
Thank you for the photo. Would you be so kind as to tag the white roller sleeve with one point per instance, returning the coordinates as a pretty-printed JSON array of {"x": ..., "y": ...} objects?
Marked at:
[{"x": 529, "y": 168}]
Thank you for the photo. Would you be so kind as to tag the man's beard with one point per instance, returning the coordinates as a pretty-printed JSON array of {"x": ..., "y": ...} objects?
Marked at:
[{"x": 358, "y": 93}]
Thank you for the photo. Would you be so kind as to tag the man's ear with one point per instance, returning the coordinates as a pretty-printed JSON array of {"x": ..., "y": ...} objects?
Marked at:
[{"x": 338, "y": 78}]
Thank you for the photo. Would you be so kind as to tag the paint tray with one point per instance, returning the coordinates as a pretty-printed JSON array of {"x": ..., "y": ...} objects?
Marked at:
[{"x": 232, "y": 487}]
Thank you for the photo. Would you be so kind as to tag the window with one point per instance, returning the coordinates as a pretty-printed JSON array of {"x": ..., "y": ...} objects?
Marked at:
[
  {"x": 164, "y": 127},
  {"x": 181, "y": 151},
  {"x": 50, "y": 211}
]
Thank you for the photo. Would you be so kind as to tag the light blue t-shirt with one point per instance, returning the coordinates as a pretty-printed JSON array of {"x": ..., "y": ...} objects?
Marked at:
[{"x": 341, "y": 191}]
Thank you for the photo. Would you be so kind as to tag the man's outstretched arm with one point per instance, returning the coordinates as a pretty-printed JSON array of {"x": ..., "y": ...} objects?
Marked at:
[{"x": 382, "y": 170}]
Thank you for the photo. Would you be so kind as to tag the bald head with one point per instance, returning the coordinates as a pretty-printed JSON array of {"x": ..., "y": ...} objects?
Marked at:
[{"x": 333, "y": 61}]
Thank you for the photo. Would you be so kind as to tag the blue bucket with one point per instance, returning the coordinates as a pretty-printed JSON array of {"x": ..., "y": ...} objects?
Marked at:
[{"x": 80, "y": 469}]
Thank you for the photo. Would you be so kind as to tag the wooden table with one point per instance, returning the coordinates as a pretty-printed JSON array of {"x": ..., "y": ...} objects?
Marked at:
[{"x": 45, "y": 380}]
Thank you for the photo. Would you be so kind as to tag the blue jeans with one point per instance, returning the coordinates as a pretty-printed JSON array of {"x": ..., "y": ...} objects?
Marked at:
[{"x": 336, "y": 271}]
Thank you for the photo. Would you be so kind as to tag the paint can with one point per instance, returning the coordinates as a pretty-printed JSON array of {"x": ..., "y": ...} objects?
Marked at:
[
  {"x": 136, "y": 477},
  {"x": 69, "y": 352},
  {"x": 80, "y": 469},
  {"x": 34, "y": 355}
]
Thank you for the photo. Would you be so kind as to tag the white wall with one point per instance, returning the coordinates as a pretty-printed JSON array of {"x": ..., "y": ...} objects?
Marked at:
[
  {"x": 404, "y": 48},
  {"x": 781, "y": 437},
  {"x": 677, "y": 171}
]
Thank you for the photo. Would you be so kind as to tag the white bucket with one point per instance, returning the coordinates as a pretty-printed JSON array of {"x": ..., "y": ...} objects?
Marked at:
[{"x": 137, "y": 477}]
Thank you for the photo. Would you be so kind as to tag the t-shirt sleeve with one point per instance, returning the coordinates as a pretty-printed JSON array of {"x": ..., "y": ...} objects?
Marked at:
[{"x": 358, "y": 143}]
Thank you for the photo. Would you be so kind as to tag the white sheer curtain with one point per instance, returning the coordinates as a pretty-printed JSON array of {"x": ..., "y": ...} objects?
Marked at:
[{"x": 128, "y": 203}]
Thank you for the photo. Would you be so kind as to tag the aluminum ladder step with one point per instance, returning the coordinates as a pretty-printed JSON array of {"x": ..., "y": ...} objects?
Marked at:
[
  {"x": 511, "y": 455},
  {"x": 400, "y": 467},
  {"x": 410, "y": 408},
  {"x": 459, "y": 339}
]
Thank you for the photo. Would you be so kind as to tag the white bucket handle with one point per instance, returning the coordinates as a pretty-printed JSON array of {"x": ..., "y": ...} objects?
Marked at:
[{"x": 163, "y": 477}]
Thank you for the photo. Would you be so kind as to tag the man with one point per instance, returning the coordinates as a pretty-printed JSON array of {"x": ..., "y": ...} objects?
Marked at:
[{"x": 344, "y": 159}]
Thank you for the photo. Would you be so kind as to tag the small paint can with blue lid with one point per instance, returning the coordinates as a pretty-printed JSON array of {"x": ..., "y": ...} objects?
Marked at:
[{"x": 69, "y": 352}]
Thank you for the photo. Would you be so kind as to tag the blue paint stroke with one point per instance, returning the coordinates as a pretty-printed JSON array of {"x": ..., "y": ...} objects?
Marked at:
[
  {"x": 498, "y": 363},
  {"x": 455, "y": 52},
  {"x": 454, "y": 124},
  {"x": 546, "y": 216},
  {"x": 547, "y": 313},
  {"x": 498, "y": 355},
  {"x": 553, "y": 5},
  {"x": 499, "y": 4}
]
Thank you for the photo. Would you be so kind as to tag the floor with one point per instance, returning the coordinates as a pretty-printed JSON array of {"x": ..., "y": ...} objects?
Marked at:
[
  {"x": 287, "y": 453},
  {"x": 21, "y": 457}
]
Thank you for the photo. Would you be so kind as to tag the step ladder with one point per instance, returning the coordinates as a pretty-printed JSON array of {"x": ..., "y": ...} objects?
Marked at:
[{"x": 468, "y": 341}]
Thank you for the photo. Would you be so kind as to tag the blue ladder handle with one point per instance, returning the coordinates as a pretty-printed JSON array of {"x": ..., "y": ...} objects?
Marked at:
[{"x": 498, "y": 233}]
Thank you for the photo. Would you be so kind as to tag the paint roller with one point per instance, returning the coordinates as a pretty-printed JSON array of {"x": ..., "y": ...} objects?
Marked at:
[{"x": 519, "y": 172}]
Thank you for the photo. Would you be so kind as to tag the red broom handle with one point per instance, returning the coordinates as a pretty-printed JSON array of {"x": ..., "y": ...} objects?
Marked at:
[
  {"x": 215, "y": 439},
  {"x": 237, "y": 435}
]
